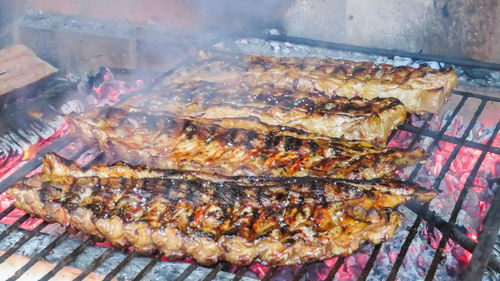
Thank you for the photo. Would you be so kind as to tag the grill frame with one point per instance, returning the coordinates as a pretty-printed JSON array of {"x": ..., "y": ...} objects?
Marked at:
[{"x": 478, "y": 262}]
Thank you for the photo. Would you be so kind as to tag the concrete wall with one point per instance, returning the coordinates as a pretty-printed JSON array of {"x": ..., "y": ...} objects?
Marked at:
[{"x": 454, "y": 28}]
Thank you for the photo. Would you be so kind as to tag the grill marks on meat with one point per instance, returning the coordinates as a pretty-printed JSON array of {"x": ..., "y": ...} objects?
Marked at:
[
  {"x": 163, "y": 142},
  {"x": 278, "y": 222},
  {"x": 420, "y": 90},
  {"x": 331, "y": 116}
]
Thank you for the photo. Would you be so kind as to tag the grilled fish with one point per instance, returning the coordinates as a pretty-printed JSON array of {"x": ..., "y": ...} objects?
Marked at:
[
  {"x": 331, "y": 116},
  {"x": 421, "y": 90},
  {"x": 164, "y": 142},
  {"x": 276, "y": 222}
]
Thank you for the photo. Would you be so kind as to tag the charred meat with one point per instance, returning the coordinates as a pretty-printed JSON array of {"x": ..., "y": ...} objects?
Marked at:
[
  {"x": 420, "y": 89},
  {"x": 280, "y": 222},
  {"x": 164, "y": 142},
  {"x": 317, "y": 113}
]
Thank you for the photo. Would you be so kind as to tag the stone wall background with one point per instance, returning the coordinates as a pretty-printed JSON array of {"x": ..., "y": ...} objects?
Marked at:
[{"x": 453, "y": 28}]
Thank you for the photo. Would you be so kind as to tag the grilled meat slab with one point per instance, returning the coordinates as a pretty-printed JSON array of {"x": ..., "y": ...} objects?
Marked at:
[
  {"x": 421, "y": 90},
  {"x": 180, "y": 214},
  {"x": 164, "y": 142},
  {"x": 331, "y": 116}
]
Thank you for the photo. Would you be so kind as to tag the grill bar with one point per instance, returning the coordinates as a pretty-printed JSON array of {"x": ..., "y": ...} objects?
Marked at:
[
  {"x": 239, "y": 274},
  {"x": 148, "y": 267},
  {"x": 335, "y": 269},
  {"x": 370, "y": 262},
  {"x": 414, "y": 228},
  {"x": 213, "y": 272},
  {"x": 418, "y": 131},
  {"x": 301, "y": 272},
  {"x": 404, "y": 249},
  {"x": 121, "y": 265},
  {"x": 13, "y": 226},
  {"x": 421, "y": 210},
  {"x": 38, "y": 256},
  {"x": 7, "y": 210},
  {"x": 438, "y": 256},
  {"x": 439, "y": 135},
  {"x": 27, "y": 236},
  {"x": 451, "y": 139},
  {"x": 187, "y": 272},
  {"x": 66, "y": 260},
  {"x": 457, "y": 235},
  {"x": 477, "y": 96},
  {"x": 482, "y": 252},
  {"x": 378, "y": 51},
  {"x": 94, "y": 264}
]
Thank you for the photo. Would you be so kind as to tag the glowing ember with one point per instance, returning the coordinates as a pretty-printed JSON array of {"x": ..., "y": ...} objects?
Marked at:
[
  {"x": 9, "y": 163},
  {"x": 109, "y": 91},
  {"x": 420, "y": 253}
]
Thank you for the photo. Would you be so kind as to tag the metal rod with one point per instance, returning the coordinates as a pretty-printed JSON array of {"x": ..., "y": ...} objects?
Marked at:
[
  {"x": 27, "y": 236},
  {"x": 414, "y": 228},
  {"x": 335, "y": 268},
  {"x": 94, "y": 264},
  {"x": 478, "y": 96},
  {"x": 302, "y": 270},
  {"x": 14, "y": 226},
  {"x": 38, "y": 256},
  {"x": 66, "y": 260},
  {"x": 404, "y": 249},
  {"x": 420, "y": 131},
  {"x": 378, "y": 51},
  {"x": 487, "y": 238},
  {"x": 213, "y": 272},
  {"x": 148, "y": 267},
  {"x": 440, "y": 134},
  {"x": 121, "y": 265},
  {"x": 438, "y": 255},
  {"x": 369, "y": 264},
  {"x": 7, "y": 211},
  {"x": 457, "y": 148},
  {"x": 187, "y": 272},
  {"x": 240, "y": 272},
  {"x": 451, "y": 139}
]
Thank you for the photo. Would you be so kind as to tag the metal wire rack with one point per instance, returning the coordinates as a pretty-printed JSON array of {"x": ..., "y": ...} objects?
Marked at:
[{"x": 481, "y": 250}]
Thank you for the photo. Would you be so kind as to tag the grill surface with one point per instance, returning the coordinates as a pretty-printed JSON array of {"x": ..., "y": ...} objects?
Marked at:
[{"x": 481, "y": 250}]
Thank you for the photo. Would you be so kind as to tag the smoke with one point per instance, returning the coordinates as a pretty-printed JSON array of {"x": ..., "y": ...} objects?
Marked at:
[{"x": 241, "y": 17}]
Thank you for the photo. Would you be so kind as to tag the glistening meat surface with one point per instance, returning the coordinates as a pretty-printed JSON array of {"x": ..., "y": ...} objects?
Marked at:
[
  {"x": 420, "y": 89},
  {"x": 164, "y": 142},
  {"x": 317, "y": 113},
  {"x": 276, "y": 222}
]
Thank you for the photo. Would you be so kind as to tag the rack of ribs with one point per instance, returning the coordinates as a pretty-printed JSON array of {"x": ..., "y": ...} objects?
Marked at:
[
  {"x": 165, "y": 142},
  {"x": 240, "y": 220}
]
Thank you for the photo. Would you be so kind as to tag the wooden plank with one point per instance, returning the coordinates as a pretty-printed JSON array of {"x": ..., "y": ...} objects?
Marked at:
[{"x": 19, "y": 67}]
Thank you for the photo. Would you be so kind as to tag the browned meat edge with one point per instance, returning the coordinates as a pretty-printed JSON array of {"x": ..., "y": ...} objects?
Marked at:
[
  {"x": 420, "y": 89},
  {"x": 164, "y": 142},
  {"x": 279, "y": 224}
]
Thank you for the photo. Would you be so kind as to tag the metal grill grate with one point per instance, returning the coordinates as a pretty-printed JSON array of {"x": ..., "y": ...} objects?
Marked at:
[{"x": 481, "y": 250}]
